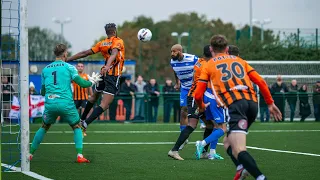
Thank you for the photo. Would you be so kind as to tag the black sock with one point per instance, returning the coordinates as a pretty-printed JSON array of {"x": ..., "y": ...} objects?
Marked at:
[
  {"x": 183, "y": 137},
  {"x": 86, "y": 111},
  {"x": 96, "y": 113},
  {"x": 249, "y": 163},
  {"x": 234, "y": 160},
  {"x": 207, "y": 133}
]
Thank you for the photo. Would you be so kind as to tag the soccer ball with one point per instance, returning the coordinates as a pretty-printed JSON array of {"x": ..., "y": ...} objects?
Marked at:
[{"x": 144, "y": 35}]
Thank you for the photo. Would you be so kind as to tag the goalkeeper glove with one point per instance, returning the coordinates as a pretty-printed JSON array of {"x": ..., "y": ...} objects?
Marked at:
[{"x": 95, "y": 78}]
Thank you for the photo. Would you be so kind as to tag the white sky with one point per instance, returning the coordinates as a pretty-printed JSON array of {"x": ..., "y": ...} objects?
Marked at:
[{"x": 89, "y": 17}]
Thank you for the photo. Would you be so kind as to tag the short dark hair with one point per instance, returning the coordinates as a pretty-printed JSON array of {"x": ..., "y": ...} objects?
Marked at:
[
  {"x": 206, "y": 51},
  {"x": 59, "y": 49},
  {"x": 218, "y": 43},
  {"x": 233, "y": 50},
  {"x": 110, "y": 28}
]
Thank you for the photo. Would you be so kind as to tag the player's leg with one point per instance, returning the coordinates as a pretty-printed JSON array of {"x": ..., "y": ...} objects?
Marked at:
[
  {"x": 70, "y": 114},
  {"x": 91, "y": 101},
  {"x": 242, "y": 114},
  {"x": 184, "y": 109},
  {"x": 49, "y": 117},
  {"x": 207, "y": 131},
  {"x": 185, "y": 133},
  {"x": 109, "y": 91},
  {"x": 220, "y": 128}
]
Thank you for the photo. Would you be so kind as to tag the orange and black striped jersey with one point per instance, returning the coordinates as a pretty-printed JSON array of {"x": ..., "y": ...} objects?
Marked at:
[
  {"x": 105, "y": 47},
  {"x": 229, "y": 79},
  {"x": 196, "y": 74},
  {"x": 80, "y": 93}
]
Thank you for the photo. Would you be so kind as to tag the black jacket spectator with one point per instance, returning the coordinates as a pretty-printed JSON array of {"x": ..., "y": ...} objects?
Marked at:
[
  {"x": 304, "y": 105},
  {"x": 151, "y": 90}
]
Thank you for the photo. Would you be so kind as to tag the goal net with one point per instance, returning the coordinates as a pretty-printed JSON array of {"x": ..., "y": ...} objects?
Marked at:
[
  {"x": 14, "y": 99},
  {"x": 305, "y": 72}
]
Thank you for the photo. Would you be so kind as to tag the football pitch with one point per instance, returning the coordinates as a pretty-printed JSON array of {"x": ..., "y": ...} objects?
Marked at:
[{"x": 139, "y": 151}]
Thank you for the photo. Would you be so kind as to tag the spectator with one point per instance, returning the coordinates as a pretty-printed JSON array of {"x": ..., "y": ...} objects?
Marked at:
[
  {"x": 304, "y": 105},
  {"x": 292, "y": 98},
  {"x": 139, "y": 106},
  {"x": 316, "y": 101},
  {"x": 153, "y": 92},
  {"x": 168, "y": 89},
  {"x": 278, "y": 89},
  {"x": 7, "y": 91},
  {"x": 263, "y": 108},
  {"x": 32, "y": 89},
  {"x": 127, "y": 91}
]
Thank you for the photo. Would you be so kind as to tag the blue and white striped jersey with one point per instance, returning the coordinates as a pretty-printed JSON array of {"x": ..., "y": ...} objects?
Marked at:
[{"x": 184, "y": 69}]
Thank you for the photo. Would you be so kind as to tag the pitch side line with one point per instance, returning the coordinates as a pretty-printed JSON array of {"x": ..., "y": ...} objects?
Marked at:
[
  {"x": 147, "y": 132},
  {"x": 166, "y": 143},
  {"x": 28, "y": 173}
]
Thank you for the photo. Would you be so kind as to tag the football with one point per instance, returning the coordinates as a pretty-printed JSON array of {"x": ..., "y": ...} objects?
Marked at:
[{"x": 144, "y": 35}]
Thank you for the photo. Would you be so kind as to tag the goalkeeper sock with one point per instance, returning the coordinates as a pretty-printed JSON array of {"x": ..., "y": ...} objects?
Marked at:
[
  {"x": 78, "y": 140},
  {"x": 37, "y": 140},
  {"x": 87, "y": 109},
  {"x": 96, "y": 113}
]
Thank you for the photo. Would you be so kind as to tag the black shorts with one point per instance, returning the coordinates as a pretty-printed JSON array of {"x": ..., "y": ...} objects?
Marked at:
[
  {"x": 109, "y": 85},
  {"x": 80, "y": 103},
  {"x": 240, "y": 115},
  {"x": 192, "y": 107}
]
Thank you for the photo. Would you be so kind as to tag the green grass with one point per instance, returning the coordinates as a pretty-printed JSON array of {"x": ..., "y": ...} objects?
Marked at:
[{"x": 151, "y": 161}]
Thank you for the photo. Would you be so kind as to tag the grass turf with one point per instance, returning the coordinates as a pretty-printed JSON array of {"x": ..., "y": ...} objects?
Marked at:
[{"x": 151, "y": 161}]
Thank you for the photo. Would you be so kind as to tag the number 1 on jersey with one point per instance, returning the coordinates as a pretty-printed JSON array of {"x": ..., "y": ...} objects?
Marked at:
[{"x": 54, "y": 73}]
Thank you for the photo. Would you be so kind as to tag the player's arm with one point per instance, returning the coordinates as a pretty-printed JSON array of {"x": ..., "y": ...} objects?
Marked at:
[
  {"x": 81, "y": 54},
  {"x": 113, "y": 56},
  {"x": 85, "y": 53},
  {"x": 177, "y": 85},
  {"x": 263, "y": 87},
  {"x": 201, "y": 87}
]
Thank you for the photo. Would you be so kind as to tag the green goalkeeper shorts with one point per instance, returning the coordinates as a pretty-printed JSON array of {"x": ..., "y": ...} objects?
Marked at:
[{"x": 65, "y": 109}]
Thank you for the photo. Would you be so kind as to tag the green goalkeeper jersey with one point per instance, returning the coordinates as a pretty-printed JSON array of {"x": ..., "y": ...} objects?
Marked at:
[{"x": 56, "y": 78}]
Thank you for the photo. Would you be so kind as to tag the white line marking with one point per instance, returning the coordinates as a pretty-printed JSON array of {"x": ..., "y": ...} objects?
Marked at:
[
  {"x": 166, "y": 143},
  {"x": 149, "y": 132},
  {"x": 28, "y": 173}
]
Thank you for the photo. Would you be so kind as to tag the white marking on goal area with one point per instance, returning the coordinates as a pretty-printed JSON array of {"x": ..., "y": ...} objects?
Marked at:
[
  {"x": 165, "y": 143},
  {"x": 28, "y": 173}
]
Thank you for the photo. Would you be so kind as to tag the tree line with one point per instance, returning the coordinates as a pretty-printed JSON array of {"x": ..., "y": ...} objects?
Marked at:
[{"x": 155, "y": 55}]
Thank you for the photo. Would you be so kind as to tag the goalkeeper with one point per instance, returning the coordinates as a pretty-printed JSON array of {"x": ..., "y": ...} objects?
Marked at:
[{"x": 55, "y": 79}]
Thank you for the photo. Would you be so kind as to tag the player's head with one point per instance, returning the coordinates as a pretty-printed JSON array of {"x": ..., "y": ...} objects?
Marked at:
[
  {"x": 207, "y": 52},
  {"x": 176, "y": 52},
  {"x": 219, "y": 44},
  {"x": 61, "y": 51},
  {"x": 80, "y": 67},
  {"x": 111, "y": 29},
  {"x": 233, "y": 50}
]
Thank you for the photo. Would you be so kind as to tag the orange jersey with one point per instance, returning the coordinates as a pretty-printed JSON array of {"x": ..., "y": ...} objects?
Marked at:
[
  {"x": 196, "y": 74},
  {"x": 80, "y": 93},
  {"x": 229, "y": 79},
  {"x": 105, "y": 47}
]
